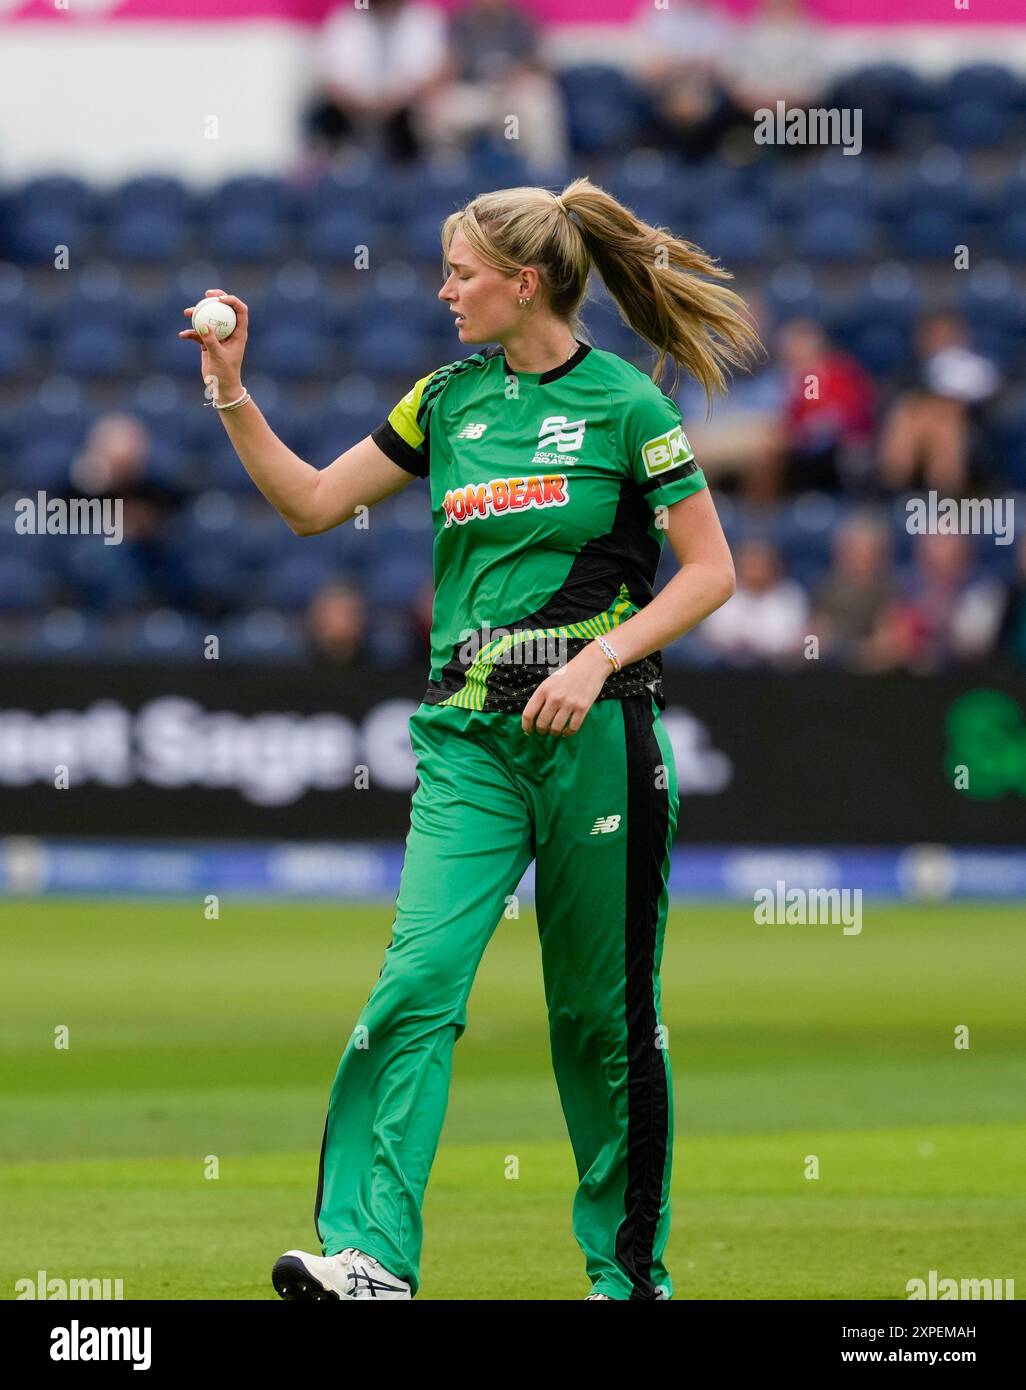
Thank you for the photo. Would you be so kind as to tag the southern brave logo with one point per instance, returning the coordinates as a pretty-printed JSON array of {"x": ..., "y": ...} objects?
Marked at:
[{"x": 566, "y": 436}]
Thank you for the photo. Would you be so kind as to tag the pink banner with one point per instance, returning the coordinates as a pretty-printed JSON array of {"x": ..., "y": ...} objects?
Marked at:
[{"x": 930, "y": 12}]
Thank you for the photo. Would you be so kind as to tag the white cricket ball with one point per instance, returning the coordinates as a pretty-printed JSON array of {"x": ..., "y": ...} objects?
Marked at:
[{"x": 221, "y": 317}]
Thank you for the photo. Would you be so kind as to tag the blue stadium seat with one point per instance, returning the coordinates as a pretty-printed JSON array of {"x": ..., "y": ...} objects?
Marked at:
[
  {"x": 161, "y": 635},
  {"x": 386, "y": 351},
  {"x": 833, "y": 234},
  {"x": 168, "y": 463},
  {"x": 988, "y": 82},
  {"x": 394, "y": 580},
  {"x": 989, "y": 297},
  {"x": 107, "y": 578},
  {"x": 1012, "y": 192},
  {"x": 46, "y": 212},
  {"x": 891, "y": 297},
  {"x": 909, "y": 89},
  {"x": 14, "y": 351},
  {"x": 421, "y": 238},
  {"x": 292, "y": 584},
  {"x": 291, "y": 352},
  {"x": 57, "y": 193},
  {"x": 99, "y": 350},
  {"x": 735, "y": 236},
  {"x": 25, "y": 587},
  {"x": 941, "y": 183},
  {"x": 332, "y": 237},
  {"x": 929, "y": 234},
  {"x": 603, "y": 108},
  {"x": 262, "y": 635},
  {"x": 160, "y": 194},
  {"x": 246, "y": 236},
  {"x": 257, "y": 193},
  {"x": 341, "y": 432},
  {"x": 1008, "y": 237},
  {"x": 213, "y": 580},
  {"x": 42, "y": 462},
  {"x": 975, "y": 124},
  {"x": 66, "y": 633},
  {"x": 882, "y": 348},
  {"x": 32, "y": 422},
  {"x": 360, "y": 186},
  {"x": 146, "y": 237},
  {"x": 33, "y": 235}
]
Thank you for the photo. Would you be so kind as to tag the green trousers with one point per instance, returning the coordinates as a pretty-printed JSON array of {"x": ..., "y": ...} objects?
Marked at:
[{"x": 597, "y": 811}]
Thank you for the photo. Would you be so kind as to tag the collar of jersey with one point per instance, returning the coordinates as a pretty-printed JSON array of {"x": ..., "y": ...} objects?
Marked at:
[{"x": 541, "y": 378}]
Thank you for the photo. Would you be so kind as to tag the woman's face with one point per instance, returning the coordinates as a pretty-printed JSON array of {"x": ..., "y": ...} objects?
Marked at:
[{"x": 482, "y": 299}]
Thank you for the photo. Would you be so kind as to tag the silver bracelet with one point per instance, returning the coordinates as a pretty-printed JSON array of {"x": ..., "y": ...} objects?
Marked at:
[
  {"x": 233, "y": 404},
  {"x": 609, "y": 653}
]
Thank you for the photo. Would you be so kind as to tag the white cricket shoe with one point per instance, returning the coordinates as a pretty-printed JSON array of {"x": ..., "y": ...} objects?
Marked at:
[{"x": 349, "y": 1274}]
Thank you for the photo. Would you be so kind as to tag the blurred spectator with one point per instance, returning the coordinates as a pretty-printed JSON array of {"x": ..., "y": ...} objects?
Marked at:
[
  {"x": 768, "y": 616},
  {"x": 680, "y": 52},
  {"x": 1012, "y": 627},
  {"x": 854, "y": 598},
  {"x": 776, "y": 57},
  {"x": 336, "y": 621},
  {"x": 496, "y": 72},
  {"x": 946, "y": 614},
  {"x": 935, "y": 435},
  {"x": 828, "y": 414},
  {"x": 114, "y": 462},
  {"x": 743, "y": 441},
  {"x": 376, "y": 66}
]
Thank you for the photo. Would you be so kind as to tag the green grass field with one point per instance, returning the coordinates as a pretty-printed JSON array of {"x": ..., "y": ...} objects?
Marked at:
[{"x": 191, "y": 1038}]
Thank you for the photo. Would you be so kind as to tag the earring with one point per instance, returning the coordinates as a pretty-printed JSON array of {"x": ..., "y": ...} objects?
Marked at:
[{"x": 523, "y": 303}]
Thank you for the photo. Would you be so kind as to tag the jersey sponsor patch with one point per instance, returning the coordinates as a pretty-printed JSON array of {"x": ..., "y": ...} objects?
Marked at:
[
  {"x": 504, "y": 495},
  {"x": 666, "y": 451}
]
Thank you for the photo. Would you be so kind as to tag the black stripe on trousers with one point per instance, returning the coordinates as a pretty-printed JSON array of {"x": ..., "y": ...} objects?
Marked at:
[
  {"x": 320, "y": 1180},
  {"x": 647, "y": 1098}
]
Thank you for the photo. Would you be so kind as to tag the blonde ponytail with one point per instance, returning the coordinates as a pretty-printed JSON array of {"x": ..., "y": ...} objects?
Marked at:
[{"x": 666, "y": 288}]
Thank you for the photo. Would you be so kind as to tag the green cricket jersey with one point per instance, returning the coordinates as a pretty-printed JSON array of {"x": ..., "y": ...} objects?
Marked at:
[{"x": 544, "y": 489}]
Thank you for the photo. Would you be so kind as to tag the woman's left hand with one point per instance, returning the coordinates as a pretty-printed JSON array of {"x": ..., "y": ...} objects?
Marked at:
[{"x": 559, "y": 704}]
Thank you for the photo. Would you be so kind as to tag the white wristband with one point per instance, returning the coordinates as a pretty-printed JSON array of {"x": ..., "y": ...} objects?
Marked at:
[{"x": 233, "y": 404}]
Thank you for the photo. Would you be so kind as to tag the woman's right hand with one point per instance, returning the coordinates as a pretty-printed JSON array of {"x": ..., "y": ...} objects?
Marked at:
[{"x": 221, "y": 362}]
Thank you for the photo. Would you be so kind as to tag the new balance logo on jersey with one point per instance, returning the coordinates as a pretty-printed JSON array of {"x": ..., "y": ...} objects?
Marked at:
[
  {"x": 605, "y": 825},
  {"x": 471, "y": 431},
  {"x": 557, "y": 432},
  {"x": 504, "y": 495},
  {"x": 666, "y": 451}
]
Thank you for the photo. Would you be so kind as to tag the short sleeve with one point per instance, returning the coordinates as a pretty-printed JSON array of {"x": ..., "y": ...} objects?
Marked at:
[
  {"x": 660, "y": 459},
  {"x": 403, "y": 435}
]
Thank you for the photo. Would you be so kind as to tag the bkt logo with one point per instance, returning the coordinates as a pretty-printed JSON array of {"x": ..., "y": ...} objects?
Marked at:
[
  {"x": 666, "y": 451},
  {"x": 472, "y": 431},
  {"x": 567, "y": 436}
]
